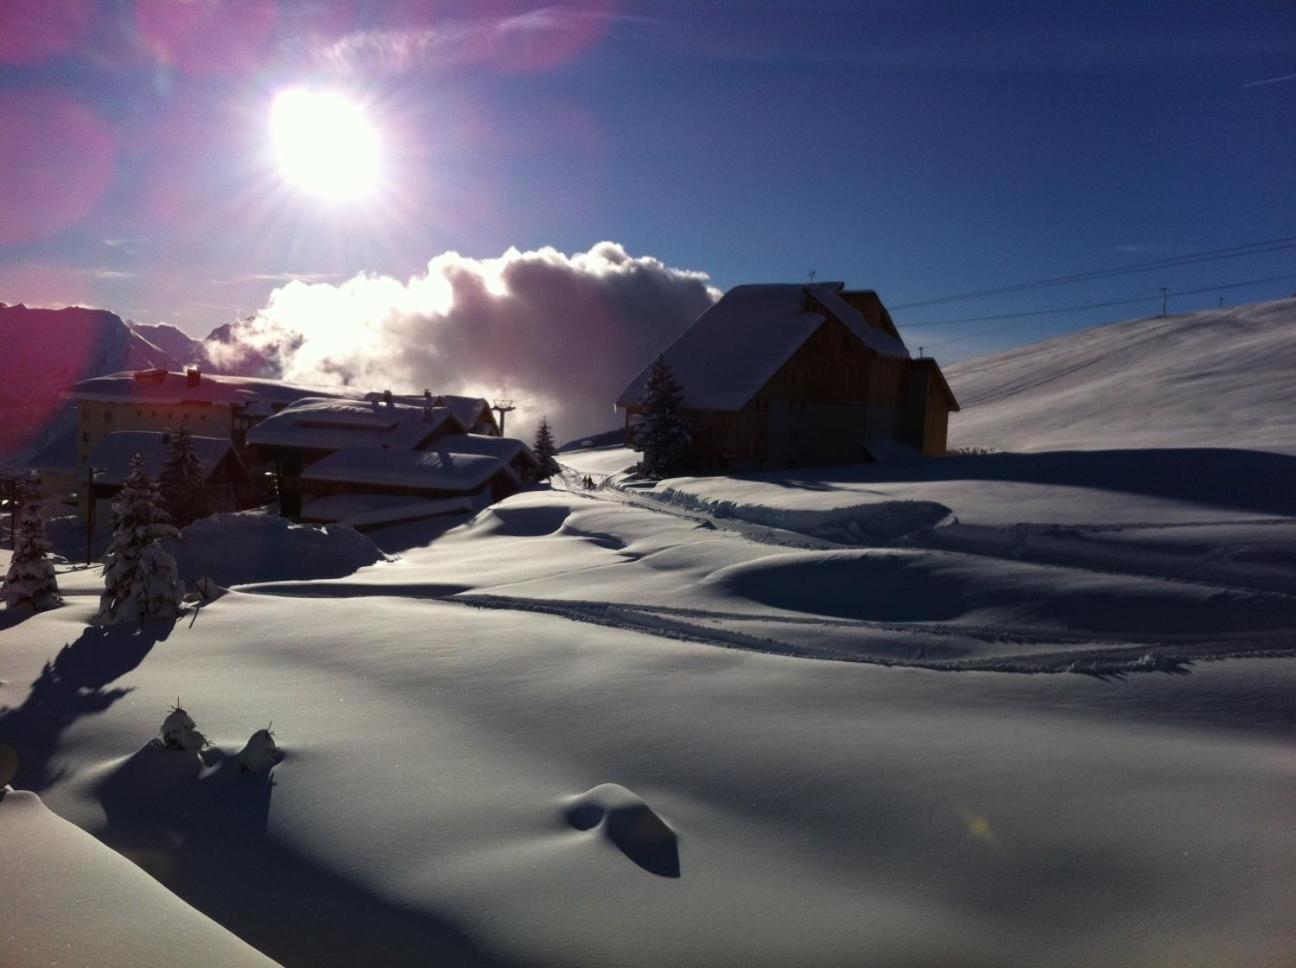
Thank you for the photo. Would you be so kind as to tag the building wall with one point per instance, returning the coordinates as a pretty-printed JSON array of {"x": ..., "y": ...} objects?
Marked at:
[
  {"x": 818, "y": 409},
  {"x": 97, "y": 419}
]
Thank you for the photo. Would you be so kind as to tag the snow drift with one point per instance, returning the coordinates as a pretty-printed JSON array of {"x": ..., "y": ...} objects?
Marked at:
[{"x": 255, "y": 546}]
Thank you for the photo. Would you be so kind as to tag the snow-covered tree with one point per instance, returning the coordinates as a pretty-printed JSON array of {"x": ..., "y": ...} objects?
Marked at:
[
  {"x": 545, "y": 448},
  {"x": 140, "y": 583},
  {"x": 30, "y": 580},
  {"x": 183, "y": 483},
  {"x": 663, "y": 434}
]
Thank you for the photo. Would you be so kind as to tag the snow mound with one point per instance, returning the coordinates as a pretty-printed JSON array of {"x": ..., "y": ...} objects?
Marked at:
[
  {"x": 627, "y": 822},
  {"x": 522, "y": 516},
  {"x": 923, "y": 586},
  {"x": 71, "y": 900},
  {"x": 252, "y": 546},
  {"x": 866, "y": 522}
]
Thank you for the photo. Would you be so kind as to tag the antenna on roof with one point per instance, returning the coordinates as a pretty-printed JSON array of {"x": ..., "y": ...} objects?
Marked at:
[
  {"x": 812, "y": 275},
  {"x": 502, "y": 407}
]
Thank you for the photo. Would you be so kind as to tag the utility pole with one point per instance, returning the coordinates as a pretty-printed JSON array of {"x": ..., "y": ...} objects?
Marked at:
[
  {"x": 502, "y": 407},
  {"x": 10, "y": 480},
  {"x": 1163, "y": 300},
  {"x": 90, "y": 508}
]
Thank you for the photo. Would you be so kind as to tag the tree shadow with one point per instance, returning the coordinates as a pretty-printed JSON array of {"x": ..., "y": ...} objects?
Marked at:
[
  {"x": 199, "y": 824},
  {"x": 73, "y": 685}
]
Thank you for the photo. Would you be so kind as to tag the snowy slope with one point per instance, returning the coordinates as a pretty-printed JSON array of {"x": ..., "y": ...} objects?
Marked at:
[
  {"x": 47, "y": 350},
  {"x": 1208, "y": 379},
  {"x": 116, "y": 914},
  {"x": 819, "y": 811}
]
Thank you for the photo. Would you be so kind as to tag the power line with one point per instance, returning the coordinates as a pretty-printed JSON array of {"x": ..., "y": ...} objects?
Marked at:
[
  {"x": 1213, "y": 255},
  {"x": 1098, "y": 305}
]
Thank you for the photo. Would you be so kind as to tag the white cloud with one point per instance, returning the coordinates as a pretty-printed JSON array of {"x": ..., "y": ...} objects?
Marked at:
[{"x": 560, "y": 334}]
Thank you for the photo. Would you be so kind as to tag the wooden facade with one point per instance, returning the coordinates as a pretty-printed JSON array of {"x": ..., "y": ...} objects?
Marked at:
[{"x": 826, "y": 403}]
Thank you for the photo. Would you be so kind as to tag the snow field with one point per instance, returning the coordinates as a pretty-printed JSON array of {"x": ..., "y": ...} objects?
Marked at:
[{"x": 822, "y": 810}]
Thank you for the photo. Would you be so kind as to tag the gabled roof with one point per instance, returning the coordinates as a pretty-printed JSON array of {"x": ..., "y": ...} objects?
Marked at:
[
  {"x": 736, "y": 346},
  {"x": 432, "y": 470},
  {"x": 164, "y": 387},
  {"x": 503, "y": 448},
  {"x": 114, "y": 453},
  {"x": 321, "y": 423},
  {"x": 927, "y": 363}
]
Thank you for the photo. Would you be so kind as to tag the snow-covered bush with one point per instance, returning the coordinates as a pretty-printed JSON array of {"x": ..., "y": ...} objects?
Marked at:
[
  {"x": 182, "y": 483},
  {"x": 179, "y": 732},
  {"x": 30, "y": 581},
  {"x": 140, "y": 582},
  {"x": 663, "y": 435}
]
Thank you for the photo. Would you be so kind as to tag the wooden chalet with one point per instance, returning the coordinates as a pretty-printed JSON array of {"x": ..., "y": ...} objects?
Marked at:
[
  {"x": 360, "y": 460},
  {"x": 787, "y": 375}
]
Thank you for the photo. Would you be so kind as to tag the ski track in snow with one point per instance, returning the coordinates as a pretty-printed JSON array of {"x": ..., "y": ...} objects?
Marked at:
[{"x": 1041, "y": 650}]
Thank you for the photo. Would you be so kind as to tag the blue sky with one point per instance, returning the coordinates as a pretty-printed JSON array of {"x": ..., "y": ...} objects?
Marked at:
[{"x": 918, "y": 148}]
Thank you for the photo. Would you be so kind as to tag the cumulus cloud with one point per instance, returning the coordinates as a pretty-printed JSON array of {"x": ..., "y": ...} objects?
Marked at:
[{"x": 559, "y": 334}]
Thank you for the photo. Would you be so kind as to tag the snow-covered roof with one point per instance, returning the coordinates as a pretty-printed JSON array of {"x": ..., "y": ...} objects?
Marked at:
[
  {"x": 469, "y": 410},
  {"x": 370, "y": 510},
  {"x": 114, "y": 453},
  {"x": 166, "y": 387},
  {"x": 737, "y": 345},
  {"x": 504, "y": 448},
  {"x": 433, "y": 470},
  {"x": 321, "y": 423}
]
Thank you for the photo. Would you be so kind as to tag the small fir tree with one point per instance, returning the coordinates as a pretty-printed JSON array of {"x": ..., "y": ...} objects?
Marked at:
[
  {"x": 140, "y": 583},
  {"x": 182, "y": 482},
  {"x": 545, "y": 449},
  {"x": 663, "y": 434},
  {"x": 30, "y": 580}
]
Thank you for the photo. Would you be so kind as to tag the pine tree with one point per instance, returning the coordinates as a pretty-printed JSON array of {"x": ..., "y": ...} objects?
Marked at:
[
  {"x": 545, "y": 449},
  {"x": 30, "y": 581},
  {"x": 663, "y": 434},
  {"x": 140, "y": 583},
  {"x": 182, "y": 482}
]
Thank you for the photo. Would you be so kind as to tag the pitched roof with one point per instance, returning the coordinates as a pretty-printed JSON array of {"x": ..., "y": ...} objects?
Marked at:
[
  {"x": 373, "y": 510},
  {"x": 114, "y": 453},
  {"x": 504, "y": 448},
  {"x": 432, "y": 470},
  {"x": 737, "y": 345},
  {"x": 321, "y": 423}
]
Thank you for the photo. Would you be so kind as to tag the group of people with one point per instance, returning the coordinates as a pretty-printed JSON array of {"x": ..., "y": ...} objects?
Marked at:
[{"x": 587, "y": 482}]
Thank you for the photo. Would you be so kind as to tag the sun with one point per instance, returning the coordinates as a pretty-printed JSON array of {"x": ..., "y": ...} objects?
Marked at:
[{"x": 325, "y": 144}]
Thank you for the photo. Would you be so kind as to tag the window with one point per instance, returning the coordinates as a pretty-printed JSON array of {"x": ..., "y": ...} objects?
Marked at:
[
  {"x": 107, "y": 416},
  {"x": 85, "y": 436}
]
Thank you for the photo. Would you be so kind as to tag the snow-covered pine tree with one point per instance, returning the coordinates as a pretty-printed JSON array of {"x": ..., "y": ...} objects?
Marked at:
[
  {"x": 663, "y": 434},
  {"x": 30, "y": 580},
  {"x": 182, "y": 482},
  {"x": 140, "y": 582},
  {"x": 545, "y": 448}
]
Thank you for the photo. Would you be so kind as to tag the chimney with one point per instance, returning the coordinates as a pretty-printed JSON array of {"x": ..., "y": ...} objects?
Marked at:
[
  {"x": 193, "y": 376},
  {"x": 387, "y": 397}
]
